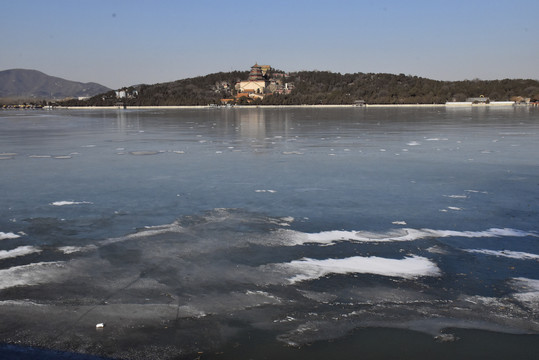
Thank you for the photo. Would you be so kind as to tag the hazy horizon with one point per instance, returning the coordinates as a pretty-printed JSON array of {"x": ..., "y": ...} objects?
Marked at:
[{"x": 126, "y": 43}]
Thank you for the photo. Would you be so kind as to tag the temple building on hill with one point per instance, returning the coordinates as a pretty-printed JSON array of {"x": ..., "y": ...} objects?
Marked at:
[
  {"x": 256, "y": 73},
  {"x": 262, "y": 81},
  {"x": 257, "y": 81}
]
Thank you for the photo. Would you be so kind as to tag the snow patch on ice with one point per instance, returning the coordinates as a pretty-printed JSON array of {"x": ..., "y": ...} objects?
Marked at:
[
  {"x": 529, "y": 290},
  {"x": 292, "y": 153},
  {"x": 505, "y": 253},
  {"x": 75, "y": 249},
  {"x": 19, "y": 251},
  {"x": 476, "y": 191},
  {"x": 409, "y": 267},
  {"x": 456, "y": 196},
  {"x": 64, "y": 203},
  {"x": 31, "y": 274},
  {"x": 143, "y": 153},
  {"x": 404, "y": 234},
  {"x": 148, "y": 231},
  {"x": 399, "y": 222},
  {"x": 9, "y": 235}
]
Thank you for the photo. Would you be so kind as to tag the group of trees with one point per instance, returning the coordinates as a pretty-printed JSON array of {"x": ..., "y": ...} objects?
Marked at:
[
  {"x": 193, "y": 91},
  {"x": 323, "y": 87},
  {"x": 333, "y": 88}
]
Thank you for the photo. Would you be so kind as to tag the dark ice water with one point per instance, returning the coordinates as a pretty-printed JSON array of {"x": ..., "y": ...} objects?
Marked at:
[{"x": 270, "y": 233}]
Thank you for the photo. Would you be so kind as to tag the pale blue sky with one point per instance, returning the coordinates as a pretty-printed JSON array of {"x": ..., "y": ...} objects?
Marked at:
[{"x": 118, "y": 43}]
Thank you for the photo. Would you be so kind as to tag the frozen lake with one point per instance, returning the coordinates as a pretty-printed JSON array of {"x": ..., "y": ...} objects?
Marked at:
[{"x": 263, "y": 233}]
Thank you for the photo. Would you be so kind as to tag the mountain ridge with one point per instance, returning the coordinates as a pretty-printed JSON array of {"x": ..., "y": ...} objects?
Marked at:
[{"x": 34, "y": 84}]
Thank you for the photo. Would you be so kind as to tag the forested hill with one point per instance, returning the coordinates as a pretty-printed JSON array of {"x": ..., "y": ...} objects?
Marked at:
[
  {"x": 201, "y": 90},
  {"x": 332, "y": 88},
  {"x": 324, "y": 87}
]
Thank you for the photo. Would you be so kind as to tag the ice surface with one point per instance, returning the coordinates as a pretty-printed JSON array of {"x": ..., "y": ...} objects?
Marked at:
[{"x": 248, "y": 265}]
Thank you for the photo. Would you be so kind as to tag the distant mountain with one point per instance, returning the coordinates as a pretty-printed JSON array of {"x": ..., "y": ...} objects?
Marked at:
[{"x": 33, "y": 84}]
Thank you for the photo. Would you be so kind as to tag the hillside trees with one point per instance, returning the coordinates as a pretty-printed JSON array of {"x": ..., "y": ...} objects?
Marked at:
[{"x": 323, "y": 87}]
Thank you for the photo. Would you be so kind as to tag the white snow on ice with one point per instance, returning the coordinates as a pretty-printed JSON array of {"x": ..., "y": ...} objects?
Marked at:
[
  {"x": 64, "y": 203},
  {"x": 9, "y": 235},
  {"x": 19, "y": 251},
  {"x": 404, "y": 234},
  {"x": 529, "y": 290},
  {"x": 75, "y": 249},
  {"x": 31, "y": 274},
  {"x": 505, "y": 253},
  {"x": 409, "y": 267}
]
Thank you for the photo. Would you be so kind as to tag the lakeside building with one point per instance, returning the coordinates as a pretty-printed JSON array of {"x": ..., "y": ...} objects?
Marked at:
[
  {"x": 261, "y": 82},
  {"x": 481, "y": 100},
  {"x": 257, "y": 81},
  {"x": 478, "y": 100},
  {"x": 126, "y": 93}
]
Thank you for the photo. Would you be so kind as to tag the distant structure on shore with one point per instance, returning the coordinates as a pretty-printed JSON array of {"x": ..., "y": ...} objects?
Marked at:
[
  {"x": 481, "y": 100},
  {"x": 263, "y": 80},
  {"x": 257, "y": 81}
]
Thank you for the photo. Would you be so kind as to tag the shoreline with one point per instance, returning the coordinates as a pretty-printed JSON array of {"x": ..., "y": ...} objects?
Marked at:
[
  {"x": 194, "y": 107},
  {"x": 173, "y": 107},
  {"x": 452, "y": 105}
]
